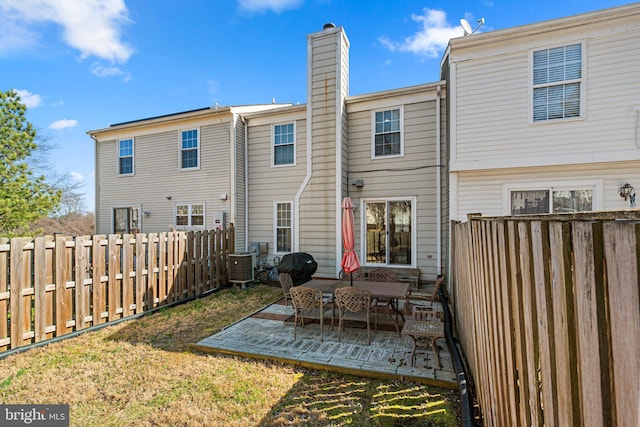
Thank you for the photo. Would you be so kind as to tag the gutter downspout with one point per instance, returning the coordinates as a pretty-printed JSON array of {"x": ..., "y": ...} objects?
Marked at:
[
  {"x": 464, "y": 385},
  {"x": 246, "y": 182},
  {"x": 438, "y": 184},
  {"x": 338, "y": 149},
  {"x": 95, "y": 184},
  {"x": 307, "y": 178}
]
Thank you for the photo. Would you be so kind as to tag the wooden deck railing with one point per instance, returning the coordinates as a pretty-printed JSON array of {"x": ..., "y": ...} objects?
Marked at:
[
  {"x": 51, "y": 286},
  {"x": 547, "y": 310}
]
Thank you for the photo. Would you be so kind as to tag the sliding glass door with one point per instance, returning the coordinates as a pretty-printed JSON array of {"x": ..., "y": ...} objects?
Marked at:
[{"x": 388, "y": 236}]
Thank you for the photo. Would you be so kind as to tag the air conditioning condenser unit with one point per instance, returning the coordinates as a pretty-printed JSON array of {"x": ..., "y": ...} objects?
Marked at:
[{"x": 241, "y": 268}]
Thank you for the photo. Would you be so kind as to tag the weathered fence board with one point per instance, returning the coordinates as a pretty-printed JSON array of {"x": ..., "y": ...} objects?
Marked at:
[
  {"x": 621, "y": 248},
  {"x": 51, "y": 286},
  {"x": 547, "y": 309}
]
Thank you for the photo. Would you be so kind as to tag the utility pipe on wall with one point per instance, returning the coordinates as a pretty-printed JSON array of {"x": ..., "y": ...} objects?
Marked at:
[
  {"x": 307, "y": 178},
  {"x": 246, "y": 183},
  {"x": 438, "y": 184}
]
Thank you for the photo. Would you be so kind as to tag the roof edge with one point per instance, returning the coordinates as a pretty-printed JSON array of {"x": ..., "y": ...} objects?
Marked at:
[{"x": 528, "y": 30}]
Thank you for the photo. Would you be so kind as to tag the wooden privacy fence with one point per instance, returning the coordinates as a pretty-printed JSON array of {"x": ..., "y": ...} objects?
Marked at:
[
  {"x": 51, "y": 286},
  {"x": 547, "y": 310}
]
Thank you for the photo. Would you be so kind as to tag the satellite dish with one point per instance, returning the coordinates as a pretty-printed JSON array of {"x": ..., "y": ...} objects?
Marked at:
[{"x": 466, "y": 27}]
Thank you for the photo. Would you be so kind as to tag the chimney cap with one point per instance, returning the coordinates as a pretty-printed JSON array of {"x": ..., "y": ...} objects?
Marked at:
[{"x": 329, "y": 25}]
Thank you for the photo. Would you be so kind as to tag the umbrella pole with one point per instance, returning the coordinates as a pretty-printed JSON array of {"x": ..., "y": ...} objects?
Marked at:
[{"x": 351, "y": 275}]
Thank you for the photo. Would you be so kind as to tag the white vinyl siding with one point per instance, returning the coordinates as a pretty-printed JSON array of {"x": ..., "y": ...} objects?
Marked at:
[
  {"x": 493, "y": 126},
  {"x": 557, "y": 82},
  {"x": 487, "y": 192}
]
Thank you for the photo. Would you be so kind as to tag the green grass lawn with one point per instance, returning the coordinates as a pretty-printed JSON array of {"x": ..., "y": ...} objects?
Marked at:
[{"x": 143, "y": 373}]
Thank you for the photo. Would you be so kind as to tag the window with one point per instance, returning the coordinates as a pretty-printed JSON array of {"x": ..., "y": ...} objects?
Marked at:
[
  {"x": 387, "y": 135},
  {"x": 125, "y": 157},
  {"x": 284, "y": 226},
  {"x": 189, "y": 149},
  {"x": 389, "y": 238},
  {"x": 530, "y": 202},
  {"x": 557, "y": 82},
  {"x": 188, "y": 216},
  {"x": 284, "y": 152},
  {"x": 126, "y": 220}
]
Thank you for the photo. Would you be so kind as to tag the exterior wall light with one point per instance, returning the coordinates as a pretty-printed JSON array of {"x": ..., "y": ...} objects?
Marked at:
[{"x": 628, "y": 192}]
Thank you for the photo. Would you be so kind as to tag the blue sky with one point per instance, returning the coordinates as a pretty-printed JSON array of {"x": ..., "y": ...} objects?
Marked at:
[{"x": 82, "y": 65}]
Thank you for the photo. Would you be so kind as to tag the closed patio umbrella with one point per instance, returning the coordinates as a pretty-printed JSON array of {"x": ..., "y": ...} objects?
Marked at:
[{"x": 350, "y": 261}]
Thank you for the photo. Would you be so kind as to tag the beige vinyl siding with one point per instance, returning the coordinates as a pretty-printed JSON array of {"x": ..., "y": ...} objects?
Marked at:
[
  {"x": 318, "y": 205},
  {"x": 493, "y": 126},
  {"x": 481, "y": 191},
  {"x": 410, "y": 176},
  {"x": 157, "y": 176},
  {"x": 268, "y": 184}
]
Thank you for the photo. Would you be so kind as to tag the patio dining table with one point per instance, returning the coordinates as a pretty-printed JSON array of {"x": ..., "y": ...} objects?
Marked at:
[{"x": 390, "y": 290}]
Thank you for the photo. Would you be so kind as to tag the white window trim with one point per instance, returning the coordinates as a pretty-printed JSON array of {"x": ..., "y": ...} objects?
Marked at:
[
  {"x": 114, "y": 207},
  {"x": 133, "y": 157},
  {"x": 275, "y": 225},
  {"x": 190, "y": 227},
  {"x": 583, "y": 85},
  {"x": 414, "y": 231},
  {"x": 595, "y": 185},
  {"x": 180, "y": 168},
  {"x": 273, "y": 144},
  {"x": 373, "y": 131}
]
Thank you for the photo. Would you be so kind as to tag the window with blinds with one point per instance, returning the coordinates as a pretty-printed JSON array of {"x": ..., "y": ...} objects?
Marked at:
[{"x": 557, "y": 82}]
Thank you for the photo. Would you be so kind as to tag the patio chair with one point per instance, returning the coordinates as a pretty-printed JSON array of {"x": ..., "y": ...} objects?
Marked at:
[
  {"x": 308, "y": 303},
  {"x": 286, "y": 282},
  {"x": 423, "y": 296},
  {"x": 425, "y": 329},
  {"x": 383, "y": 275},
  {"x": 357, "y": 275},
  {"x": 354, "y": 304}
]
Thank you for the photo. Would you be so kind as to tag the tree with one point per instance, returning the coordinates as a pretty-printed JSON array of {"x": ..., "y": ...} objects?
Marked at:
[
  {"x": 72, "y": 200},
  {"x": 23, "y": 197}
]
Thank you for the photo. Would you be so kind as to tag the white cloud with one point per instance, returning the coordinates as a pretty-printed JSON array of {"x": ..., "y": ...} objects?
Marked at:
[
  {"x": 93, "y": 174},
  {"x": 91, "y": 26},
  {"x": 77, "y": 176},
  {"x": 431, "y": 39},
  {"x": 13, "y": 36},
  {"x": 30, "y": 100},
  {"x": 63, "y": 124},
  {"x": 273, "y": 5},
  {"x": 109, "y": 71}
]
